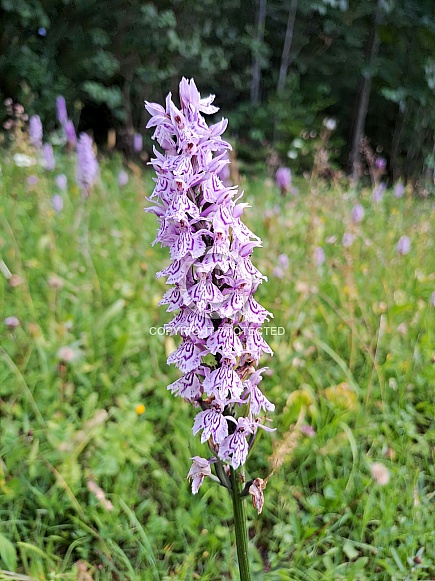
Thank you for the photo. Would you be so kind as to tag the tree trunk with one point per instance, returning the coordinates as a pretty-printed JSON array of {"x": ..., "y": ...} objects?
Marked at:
[
  {"x": 256, "y": 64},
  {"x": 364, "y": 93},
  {"x": 285, "y": 57}
]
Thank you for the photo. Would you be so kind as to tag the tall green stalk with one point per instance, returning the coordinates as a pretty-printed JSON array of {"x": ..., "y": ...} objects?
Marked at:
[{"x": 240, "y": 527}]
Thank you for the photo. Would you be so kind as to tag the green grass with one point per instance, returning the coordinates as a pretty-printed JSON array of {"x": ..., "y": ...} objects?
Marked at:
[{"x": 356, "y": 362}]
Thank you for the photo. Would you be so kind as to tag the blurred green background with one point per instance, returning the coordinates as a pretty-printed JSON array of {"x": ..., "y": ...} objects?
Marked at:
[{"x": 276, "y": 67}]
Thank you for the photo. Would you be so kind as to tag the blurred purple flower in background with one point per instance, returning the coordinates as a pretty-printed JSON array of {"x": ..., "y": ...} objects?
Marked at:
[
  {"x": 378, "y": 193},
  {"x": 283, "y": 179},
  {"x": 319, "y": 256},
  {"x": 35, "y": 131},
  {"x": 404, "y": 245},
  {"x": 137, "y": 142},
  {"x": 57, "y": 203},
  {"x": 8, "y": 124},
  {"x": 62, "y": 114},
  {"x": 380, "y": 163},
  {"x": 61, "y": 182},
  {"x": 347, "y": 239},
  {"x": 11, "y": 323},
  {"x": 67, "y": 124},
  {"x": 70, "y": 134},
  {"x": 357, "y": 214},
  {"x": 399, "y": 190},
  {"x": 283, "y": 261},
  {"x": 307, "y": 430},
  {"x": 49, "y": 163},
  {"x": 32, "y": 180},
  {"x": 87, "y": 164},
  {"x": 122, "y": 178}
]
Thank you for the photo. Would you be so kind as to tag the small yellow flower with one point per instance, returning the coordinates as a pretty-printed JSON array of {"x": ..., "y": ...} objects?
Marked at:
[{"x": 140, "y": 409}]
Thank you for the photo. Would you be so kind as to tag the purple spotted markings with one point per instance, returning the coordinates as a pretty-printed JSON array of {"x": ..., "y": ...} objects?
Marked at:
[{"x": 213, "y": 282}]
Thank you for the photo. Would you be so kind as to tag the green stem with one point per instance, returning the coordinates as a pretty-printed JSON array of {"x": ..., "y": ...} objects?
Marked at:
[{"x": 240, "y": 527}]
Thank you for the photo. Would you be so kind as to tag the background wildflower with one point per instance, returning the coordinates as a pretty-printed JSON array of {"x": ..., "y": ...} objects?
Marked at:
[
  {"x": 319, "y": 256},
  {"x": 57, "y": 203},
  {"x": 283, "y": 261},
  {"x": 380, "y": 473},
  {"x": 35, "y": 131},
  {"x": 23, "y": 160},
  {"x": 380, "y": 163},
  {"x": 122, "y": 178},
  {"x": 378, "y": 193},
  {"x": 61, "y": 182},
  {"x": 61, "y": 111},
  {"x": 68, "y": 354},
  {"x": 11, "y": 323},
  {"x": 49, "y": 162},
  {"x": 137, "y": 143},
  {"x": 87, "y": 166},
  {"x": 404, "y": 245},
  {"x": 140, "y": 409},
  {"x": 32, "y": 180},
  {"x": 99, "y": 495},
  {"x": 357, "y": 214},
  {"x": 399, "y": 190},
  {"x": 70, "y": 134},
  {"x": 283, "y": 179},
  {"x": 347, "y": 239}
]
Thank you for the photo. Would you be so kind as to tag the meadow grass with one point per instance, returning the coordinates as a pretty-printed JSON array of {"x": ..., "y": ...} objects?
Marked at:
[{"x": 355, "y": 362}]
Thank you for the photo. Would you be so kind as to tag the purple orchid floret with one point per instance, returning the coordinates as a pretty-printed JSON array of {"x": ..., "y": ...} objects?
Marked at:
[
  {"x": 199, "y": 469},
  {"x": 214, "y": 279},
  {"x": 212, "y": 422},
  {"x": 224, "y": 381},
  {"x": 257, "y": 399},
  {"x": 188, "y": 387},
  {"x": 235, "y": 447}
]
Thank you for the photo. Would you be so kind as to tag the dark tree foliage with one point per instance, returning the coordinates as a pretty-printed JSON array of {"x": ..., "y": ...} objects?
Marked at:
[{"x": 278, "y": 67}]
